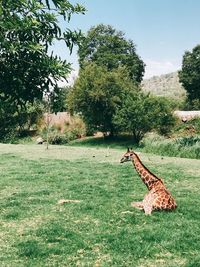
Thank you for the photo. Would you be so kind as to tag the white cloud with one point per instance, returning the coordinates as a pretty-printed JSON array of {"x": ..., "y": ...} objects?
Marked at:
[{"x": 156, "y": 68}]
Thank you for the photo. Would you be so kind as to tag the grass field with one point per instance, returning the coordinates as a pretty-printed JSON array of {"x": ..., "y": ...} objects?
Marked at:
[{"x": 102, "y": 229}]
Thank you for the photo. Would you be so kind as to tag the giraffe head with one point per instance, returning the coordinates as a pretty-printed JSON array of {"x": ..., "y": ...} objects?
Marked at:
[{"x": 127, "y": 156}]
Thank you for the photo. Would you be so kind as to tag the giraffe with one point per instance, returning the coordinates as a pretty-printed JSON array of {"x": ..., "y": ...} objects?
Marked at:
[{"x": 158, "y": 197}]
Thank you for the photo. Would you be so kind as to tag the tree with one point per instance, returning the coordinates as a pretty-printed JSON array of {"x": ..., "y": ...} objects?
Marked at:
[
  {"x": 7, "y": 119},
  {"x": 107, "y": 47},
  {"x": 21, "y": 120},
  {"x": 27, "y": 30},
  {"x": 96, "y": 95},
  {"x": 190, "y": 74},
  {"x": 141, "y": 113},
  {"x": 58, "y": 102}
]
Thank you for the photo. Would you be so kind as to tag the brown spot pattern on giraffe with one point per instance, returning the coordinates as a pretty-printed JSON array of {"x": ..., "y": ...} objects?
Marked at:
[{"x": 158, "y": 198}]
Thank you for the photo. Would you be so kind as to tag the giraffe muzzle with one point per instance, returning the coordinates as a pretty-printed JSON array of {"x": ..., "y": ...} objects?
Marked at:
[{"x": 122, "y": 160}]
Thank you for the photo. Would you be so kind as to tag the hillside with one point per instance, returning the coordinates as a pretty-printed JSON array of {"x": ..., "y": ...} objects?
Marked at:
[{"x": 165, "y": 85}]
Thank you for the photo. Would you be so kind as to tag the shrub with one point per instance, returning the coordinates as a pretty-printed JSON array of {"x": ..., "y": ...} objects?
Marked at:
[
  {"x": 141, "y": 113},
  {"x": 188, "y": 141},
  {"x": 182, "y": 147},
  {"x": 17, "y": 122},
  {"x": 56, "y": 138},
  {"x": 76, "y": 128},
  {"x": 190, "y": 127},
  {"x": 63, "y": 133}
]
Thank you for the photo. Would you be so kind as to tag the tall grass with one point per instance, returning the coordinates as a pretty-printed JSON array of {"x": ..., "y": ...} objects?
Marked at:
[{"x": 184, "y": 147}]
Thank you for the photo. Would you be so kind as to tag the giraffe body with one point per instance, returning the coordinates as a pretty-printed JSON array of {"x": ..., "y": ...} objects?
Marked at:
[{"x": 158, "y": 197}]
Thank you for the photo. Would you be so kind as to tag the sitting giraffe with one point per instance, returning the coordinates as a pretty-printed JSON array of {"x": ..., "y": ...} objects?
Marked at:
[{"x": 158, "y": 197}]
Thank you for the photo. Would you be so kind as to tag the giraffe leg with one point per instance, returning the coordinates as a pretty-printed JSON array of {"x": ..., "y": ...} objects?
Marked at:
[
  {"x": 148, "y": 208},
  {"x": 138, "y": 205},
  {"x": 148, "y": 203}
]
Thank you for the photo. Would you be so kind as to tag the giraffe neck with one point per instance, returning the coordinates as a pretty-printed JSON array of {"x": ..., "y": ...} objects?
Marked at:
[{"x": 148, "y": 178}]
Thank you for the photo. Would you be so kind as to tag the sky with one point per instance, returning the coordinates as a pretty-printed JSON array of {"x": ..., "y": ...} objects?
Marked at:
[{"x": 162, "y": 30}]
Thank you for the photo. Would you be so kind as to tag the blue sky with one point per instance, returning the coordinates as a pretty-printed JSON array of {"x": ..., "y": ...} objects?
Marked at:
[{"x": 162, "y": 30}]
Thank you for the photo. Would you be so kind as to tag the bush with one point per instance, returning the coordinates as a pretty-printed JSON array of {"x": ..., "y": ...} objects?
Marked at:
[
  {"x": 16, "y": 122},
  {"x": 56, "y": 138},
  {"x": 191, "y": 127},
  {"x": 141, "y": 113},
  {"x": 182, "y": 147},
  {"x": 76, "y": 128},
  {"x": 188, "y": 141},
  {"x": 63, "y": 133}
]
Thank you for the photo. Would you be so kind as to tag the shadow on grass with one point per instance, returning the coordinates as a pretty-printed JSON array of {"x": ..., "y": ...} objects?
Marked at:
[{"x": 112, "y": 142}]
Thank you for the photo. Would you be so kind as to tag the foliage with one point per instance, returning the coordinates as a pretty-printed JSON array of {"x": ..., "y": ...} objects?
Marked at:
[
  {"x": 190, "y": 74},
  {"x": 18, "y": 123},
  {"x": 188, "y": 141},
  {"x": 108, "y": 48},
  {"x": 27, "y": 31},
  {"x": 28, "y": 117},
  {"x": 192, "y": 104},
  {"x": 165, "y": 121},
  {"x": 185, "y": 147},
  {"x": 96, "y": 95},
  {"x": 59, "y": 134},
  {"x": 141, "y": 113},
  {"x": 188, "y": 128},
  {"x": 55, "y": 137},
  {"x": 7, "y": 119},
  {"x": 58, "y": 102}
]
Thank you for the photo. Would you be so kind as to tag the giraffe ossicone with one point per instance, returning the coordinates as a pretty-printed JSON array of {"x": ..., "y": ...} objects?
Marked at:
[{"x": 158, "y": 197}]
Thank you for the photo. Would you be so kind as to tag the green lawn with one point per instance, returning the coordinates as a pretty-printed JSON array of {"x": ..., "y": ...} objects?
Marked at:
[{"x": 102, "y": 229}]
